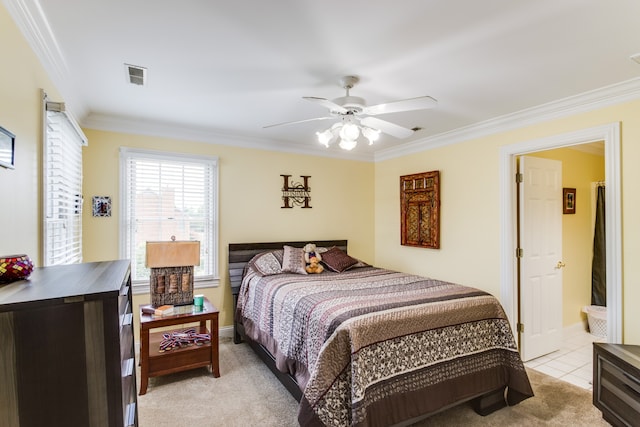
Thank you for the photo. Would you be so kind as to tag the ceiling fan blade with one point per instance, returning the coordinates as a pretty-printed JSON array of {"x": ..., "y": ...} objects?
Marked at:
[
  {"x": 298, "y": 121},
  {"x": 419, "y": 103},
  {"x": 387, "y": 127},
  {"x": 332, "y": 106}
]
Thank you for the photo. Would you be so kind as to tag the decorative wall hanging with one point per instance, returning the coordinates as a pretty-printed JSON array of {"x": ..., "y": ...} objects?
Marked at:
[
  {"x": 420, "y": 209},
  {"x": 7, "y": 148},
  {"x": 295, "y": 193},
  {"x": 101, "y": 206},
  {"x": 568, "y": 200}
]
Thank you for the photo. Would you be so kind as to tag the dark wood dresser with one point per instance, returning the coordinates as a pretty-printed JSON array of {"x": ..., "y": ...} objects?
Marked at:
[
  {"x": 616, "y": 383},
  {"x": 66, "y": 348}
]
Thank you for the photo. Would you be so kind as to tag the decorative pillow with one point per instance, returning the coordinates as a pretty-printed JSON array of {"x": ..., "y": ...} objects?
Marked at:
[
  {"x": 266, "y": 264},
  {"x": 337, "y": 260},
  {"x": 359, "y": 264},
  {"x": 293, "y": 260}
]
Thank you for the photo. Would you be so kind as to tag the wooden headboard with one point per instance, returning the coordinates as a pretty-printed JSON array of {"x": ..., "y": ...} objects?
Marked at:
[{"x": 241, "y": 253}]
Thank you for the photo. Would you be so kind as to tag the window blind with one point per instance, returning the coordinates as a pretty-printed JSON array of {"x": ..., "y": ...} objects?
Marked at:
[
  {"x": 62, "y": 188},
  {"x": 165, "y": 195}
]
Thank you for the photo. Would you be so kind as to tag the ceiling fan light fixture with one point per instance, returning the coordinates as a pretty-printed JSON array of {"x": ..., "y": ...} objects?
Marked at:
[
  {"x": 357, "y": 118},
  {"x": 349, "y": 133}
]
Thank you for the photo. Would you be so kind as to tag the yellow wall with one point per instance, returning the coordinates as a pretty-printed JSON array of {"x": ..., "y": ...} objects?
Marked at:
[
  {"x": 21, "y": 79},
  {"x": 470, "y": 206},
  {"x": 579, "y": 170},
  {"x": 346, "y": 205},
  {"x": 250, "y": 200}
]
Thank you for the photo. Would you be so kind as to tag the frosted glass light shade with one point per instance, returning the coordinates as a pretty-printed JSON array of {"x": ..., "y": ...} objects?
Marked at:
[
  {"x": 325, "y": 137},
  {"x": 371, "y": 134},
  {"x": 349, "y": 131},
  {"x": 347, "y": 144}
]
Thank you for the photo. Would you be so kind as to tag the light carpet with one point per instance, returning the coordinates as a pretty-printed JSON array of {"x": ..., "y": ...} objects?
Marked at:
[{"x": 248, "y": 394}]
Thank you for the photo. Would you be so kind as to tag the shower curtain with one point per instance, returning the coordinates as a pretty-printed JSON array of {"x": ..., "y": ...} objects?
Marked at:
[{"x": 598, "y": 264}]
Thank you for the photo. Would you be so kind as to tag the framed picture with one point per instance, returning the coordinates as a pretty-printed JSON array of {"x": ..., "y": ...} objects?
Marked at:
[
  {"x": 101, "y": 206},
  {"x": 7, "y": 148},
  {"x": 568, "y": 200},
  {"x": 420, "y": 210}
]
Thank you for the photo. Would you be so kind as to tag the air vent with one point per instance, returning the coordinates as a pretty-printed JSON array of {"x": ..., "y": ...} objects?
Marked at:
[
  {"x": 136, "y": 75},
  {"x": 416, "y": 129}
]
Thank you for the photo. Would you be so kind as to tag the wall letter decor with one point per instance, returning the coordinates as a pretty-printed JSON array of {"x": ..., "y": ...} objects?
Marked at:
[
  {"x": 296, "y": 193},
  {"x": 420, "y": 209}
]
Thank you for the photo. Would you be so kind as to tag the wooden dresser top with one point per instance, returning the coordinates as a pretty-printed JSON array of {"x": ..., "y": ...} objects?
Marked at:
[{"x": 90, "y": 280}]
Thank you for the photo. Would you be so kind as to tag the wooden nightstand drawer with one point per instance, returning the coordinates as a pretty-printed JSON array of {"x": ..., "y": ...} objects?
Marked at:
[
  {"x": 619, "y": 393},
  {"x": 616, "y": 388}
]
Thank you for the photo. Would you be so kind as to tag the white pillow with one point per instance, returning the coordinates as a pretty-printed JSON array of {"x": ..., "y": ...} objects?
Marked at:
[{"x": 266, "y": 264}]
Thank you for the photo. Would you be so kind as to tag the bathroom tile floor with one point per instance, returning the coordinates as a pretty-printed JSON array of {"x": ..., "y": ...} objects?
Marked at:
[{"x": 573, "y": 363}]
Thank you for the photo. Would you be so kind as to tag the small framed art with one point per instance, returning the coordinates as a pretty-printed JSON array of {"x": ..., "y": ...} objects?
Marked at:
[
  {"x": 101, "y": 206},
  {"x": 7, "y": 148},
  {"x": 568, "y": 200}
]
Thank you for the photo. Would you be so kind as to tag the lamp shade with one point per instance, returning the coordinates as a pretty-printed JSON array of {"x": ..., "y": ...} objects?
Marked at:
[{"x": 173, "y": 254}]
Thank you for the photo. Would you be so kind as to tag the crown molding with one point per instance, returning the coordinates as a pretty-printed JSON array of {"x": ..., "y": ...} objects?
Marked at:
[
  {"x": 599, "y": 98},
  {"x": 177, "y": 131},
  {"x": 32, "y": 23}
]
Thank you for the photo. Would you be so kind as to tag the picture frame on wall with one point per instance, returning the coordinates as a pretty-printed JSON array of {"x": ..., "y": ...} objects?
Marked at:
[
  {"x": 568, "y": 200},
  {"x": 7, "y": 149},
  {"x": 420, "y": 210},
  {"x": 101, "y": 206}
]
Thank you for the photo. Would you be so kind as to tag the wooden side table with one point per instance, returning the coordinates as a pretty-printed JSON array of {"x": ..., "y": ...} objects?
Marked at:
[{"x": 153, "y": 362}]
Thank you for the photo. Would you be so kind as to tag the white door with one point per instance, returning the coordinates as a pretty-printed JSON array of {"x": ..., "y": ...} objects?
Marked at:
[{"x": 540, "y": 231}]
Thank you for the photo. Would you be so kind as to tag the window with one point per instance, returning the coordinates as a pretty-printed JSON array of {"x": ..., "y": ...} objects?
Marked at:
[
  {"x": 165, "y": 195},
  {"x": 62, "y": 184}
]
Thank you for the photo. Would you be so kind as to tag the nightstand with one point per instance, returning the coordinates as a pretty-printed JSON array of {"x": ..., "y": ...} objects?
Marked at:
[
  {"x": 616, "y": 383},
  {"x": 155, "y": 362}
]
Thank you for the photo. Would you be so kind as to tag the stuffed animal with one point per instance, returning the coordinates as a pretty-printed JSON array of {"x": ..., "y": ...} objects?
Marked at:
[
  {"x": 314, "y": 266},
  {"x": 310, "y": 252}
]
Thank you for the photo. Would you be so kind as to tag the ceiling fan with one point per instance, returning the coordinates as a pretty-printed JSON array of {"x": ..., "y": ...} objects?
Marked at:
[{"x": 357, "y": 118}]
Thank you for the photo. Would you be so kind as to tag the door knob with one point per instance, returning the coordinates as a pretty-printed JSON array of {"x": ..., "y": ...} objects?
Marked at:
[{"x": 559, "y": 265}]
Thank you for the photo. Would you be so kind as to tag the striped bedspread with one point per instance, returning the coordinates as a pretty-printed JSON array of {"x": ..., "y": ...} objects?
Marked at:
[{"x": 371, "y": 346}]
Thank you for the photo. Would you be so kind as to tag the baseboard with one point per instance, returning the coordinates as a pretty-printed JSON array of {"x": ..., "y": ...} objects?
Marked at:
[
  {"x": 226, "y": 332},
  {"x": 575, "y": 328}
]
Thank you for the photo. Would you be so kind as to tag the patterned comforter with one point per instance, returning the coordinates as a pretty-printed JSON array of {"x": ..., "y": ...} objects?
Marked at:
[{"x": 371, "y": 346}]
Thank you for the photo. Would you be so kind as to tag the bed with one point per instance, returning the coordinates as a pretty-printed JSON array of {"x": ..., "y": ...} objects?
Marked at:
[{"x": 365, "y": 346}]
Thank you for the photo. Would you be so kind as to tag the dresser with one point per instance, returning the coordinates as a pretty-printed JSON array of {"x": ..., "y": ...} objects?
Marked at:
[
  {"x": 66, "y": 348},
  {"x": 616, "y": 383}
]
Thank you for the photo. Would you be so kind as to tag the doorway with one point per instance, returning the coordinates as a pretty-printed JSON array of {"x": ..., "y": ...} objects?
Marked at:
[
  {"x": 540, "y": 254},
  {"x": 610, "y": 134}
]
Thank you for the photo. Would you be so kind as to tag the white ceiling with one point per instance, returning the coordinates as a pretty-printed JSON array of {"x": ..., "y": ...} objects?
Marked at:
[{"x": 222, "y": 70}]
